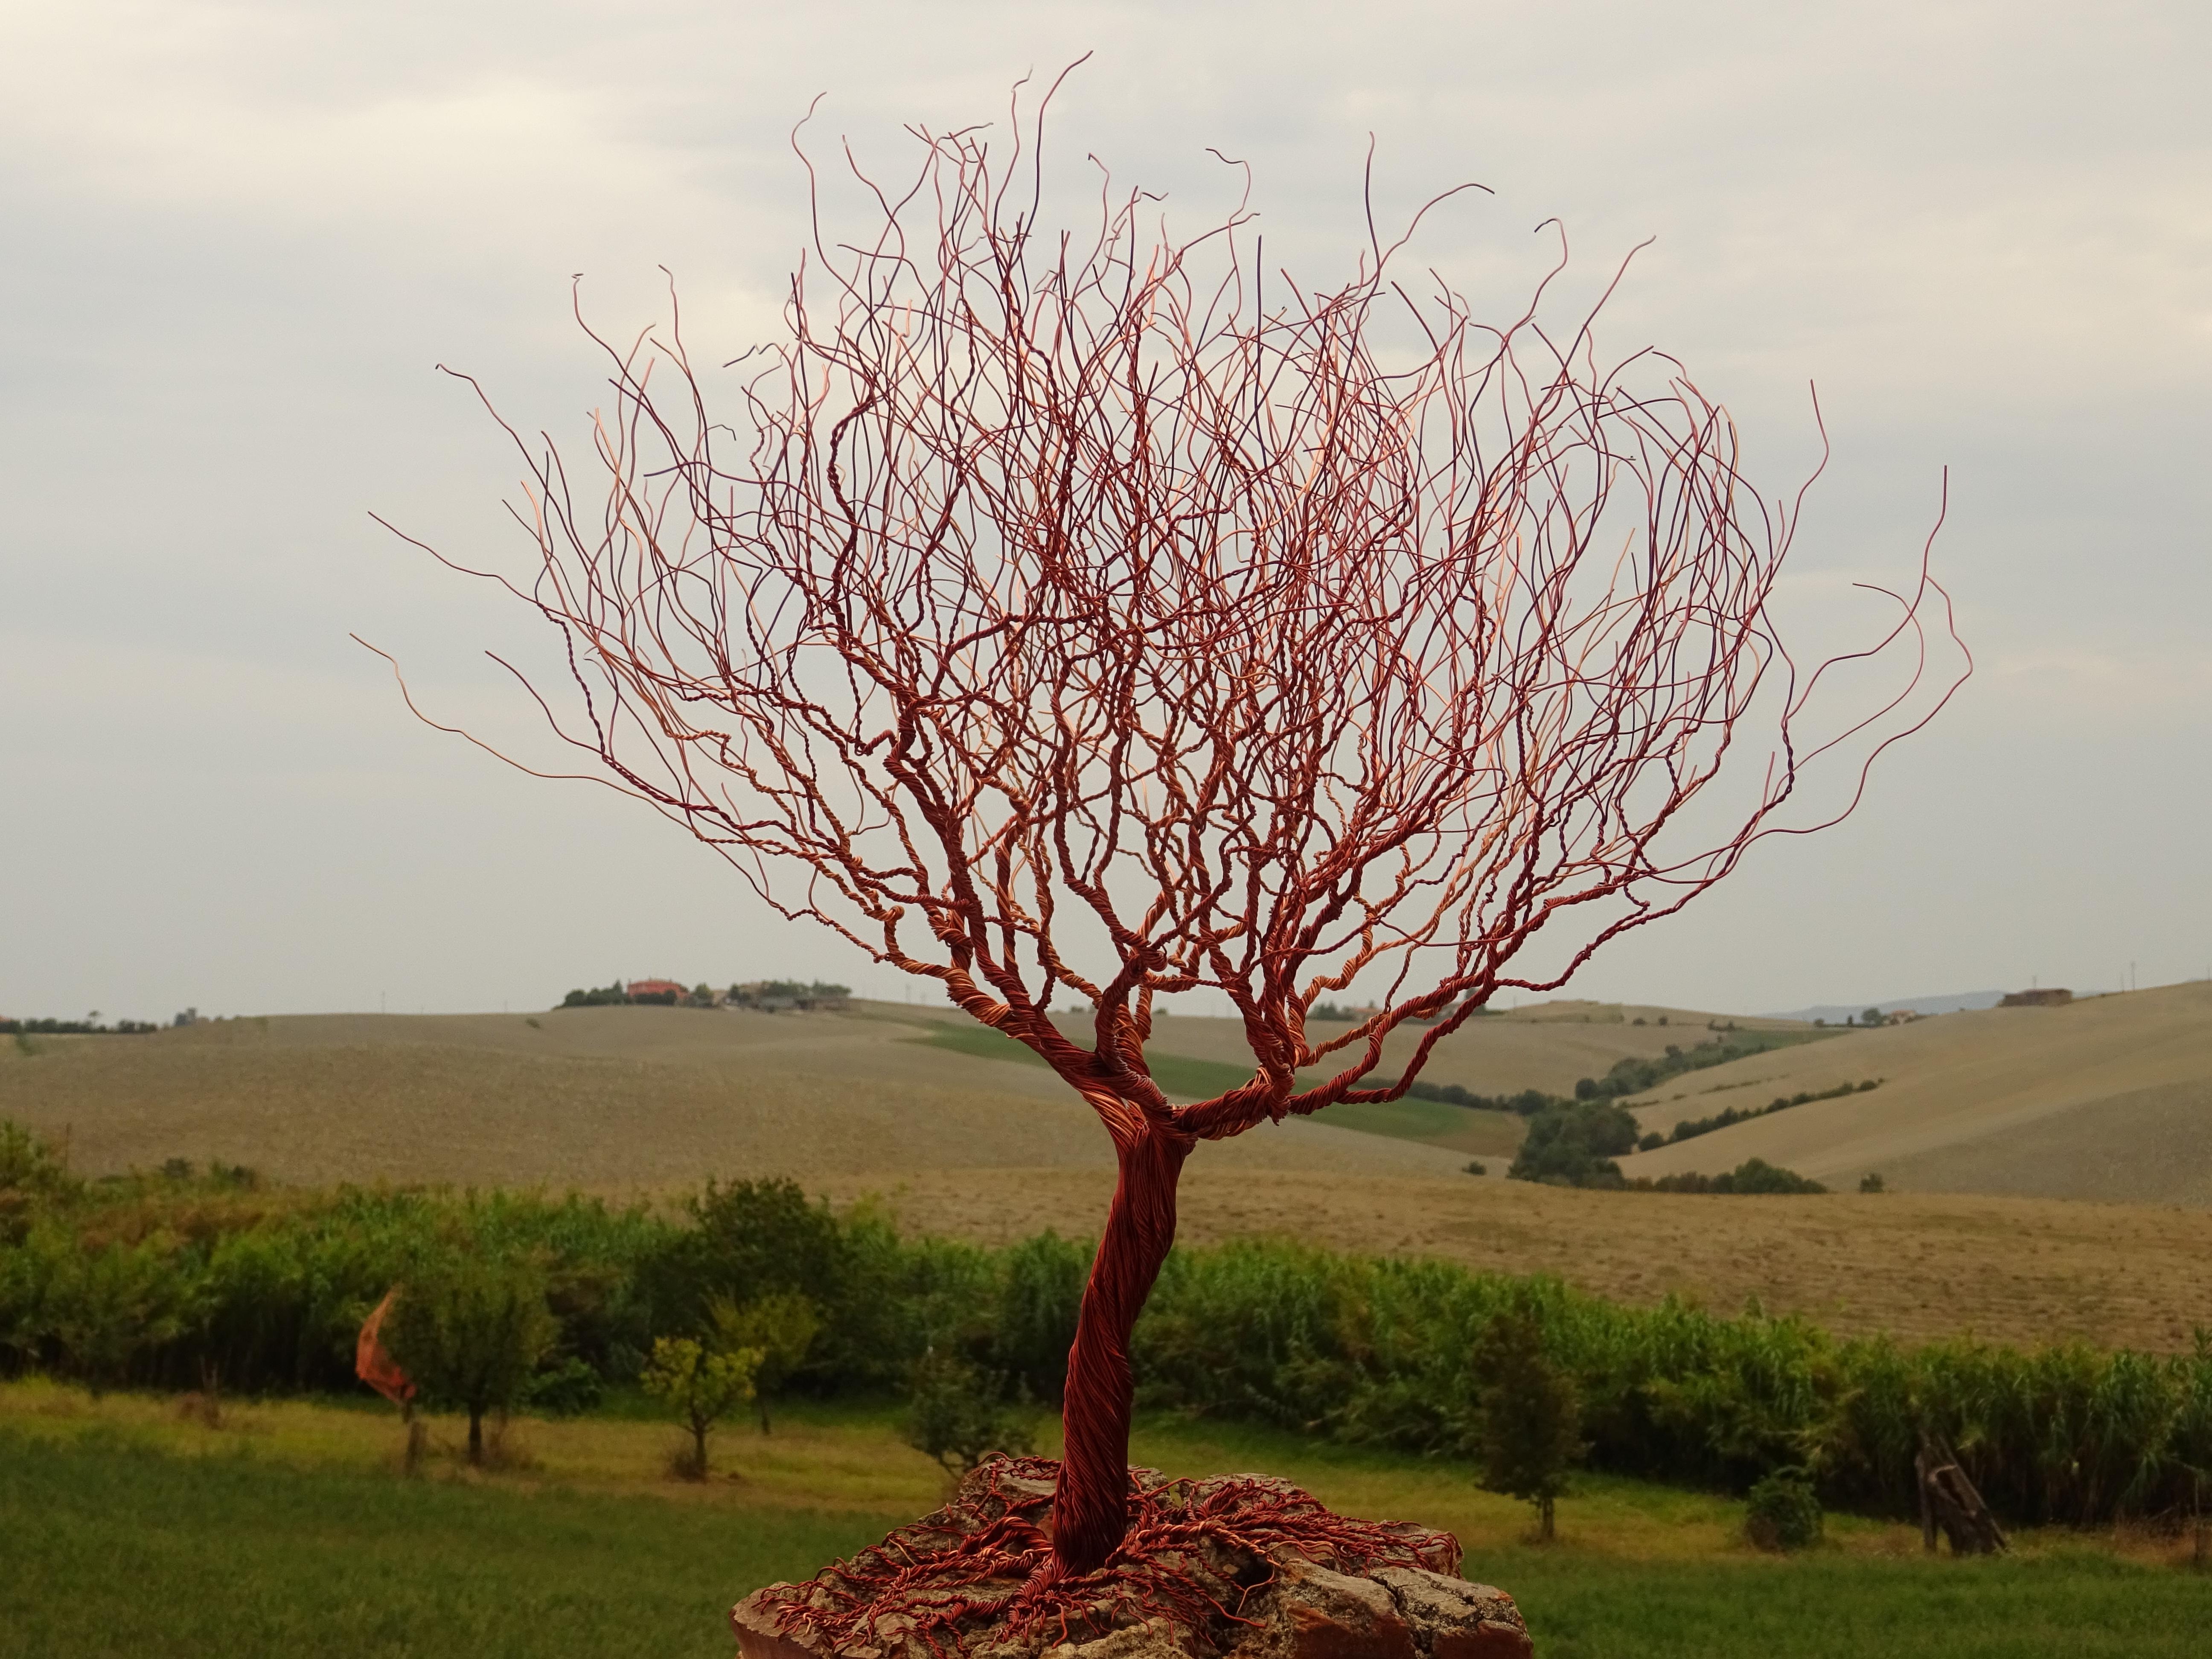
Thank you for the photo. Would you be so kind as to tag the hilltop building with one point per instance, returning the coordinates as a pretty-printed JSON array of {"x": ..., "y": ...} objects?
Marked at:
[{"x": 779, "y": 995}]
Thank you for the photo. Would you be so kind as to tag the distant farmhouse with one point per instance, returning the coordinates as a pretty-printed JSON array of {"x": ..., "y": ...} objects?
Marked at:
[
  {"x": 2050, "y": 997},
  {"x": 768, "y": 996},
  {"x": 777, "y": 995}
]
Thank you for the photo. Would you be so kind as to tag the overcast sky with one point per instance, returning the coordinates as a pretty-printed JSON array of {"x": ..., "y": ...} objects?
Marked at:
[{"x": 239, "y": 237}]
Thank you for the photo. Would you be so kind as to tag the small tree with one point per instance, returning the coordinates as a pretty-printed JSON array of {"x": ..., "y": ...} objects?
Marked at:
[
  {"x": 468, "y": 1332},
  {"x": 701, "y": 1386},
  {"x": 779, "y": 1328},
  {"x": 960, "y": 1413},
  {"x": 1531, "y": 1426}
]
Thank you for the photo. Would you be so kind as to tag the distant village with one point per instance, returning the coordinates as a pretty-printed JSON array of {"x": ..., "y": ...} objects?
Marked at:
[{"x": 767, "y": 995}]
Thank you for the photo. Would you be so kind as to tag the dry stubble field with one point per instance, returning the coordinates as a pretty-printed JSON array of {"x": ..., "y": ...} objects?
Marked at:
[
  {"x": 639, "y": 1101},
  {"x": 2108, "y": 1098},
  {"x": 2022, "y": 1271}
]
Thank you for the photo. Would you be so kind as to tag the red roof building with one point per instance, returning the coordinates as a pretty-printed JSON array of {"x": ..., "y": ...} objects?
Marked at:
[{"x": 656, "y": 988}]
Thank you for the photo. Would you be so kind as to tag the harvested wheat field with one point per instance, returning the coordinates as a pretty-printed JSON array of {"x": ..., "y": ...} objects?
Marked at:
[
  {"x": 1546, "y": 1045},
  {"x": 2014, "y": 1270},
  {"x": 649, "y": 1101},
  {"x": 607, "y": 1100},
  {"x": 2108, "y": 1098}
]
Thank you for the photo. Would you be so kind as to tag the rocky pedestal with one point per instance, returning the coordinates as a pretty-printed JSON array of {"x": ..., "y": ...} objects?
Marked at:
[{"x": 1233, "y": 1567}]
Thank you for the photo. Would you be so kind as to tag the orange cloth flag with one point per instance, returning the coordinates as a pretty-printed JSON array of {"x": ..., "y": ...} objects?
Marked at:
[{"x": 372, "y": 1366}]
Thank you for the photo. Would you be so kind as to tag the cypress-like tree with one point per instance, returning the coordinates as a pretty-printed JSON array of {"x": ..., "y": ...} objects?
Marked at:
[{"x": 1531, "y": 1426}]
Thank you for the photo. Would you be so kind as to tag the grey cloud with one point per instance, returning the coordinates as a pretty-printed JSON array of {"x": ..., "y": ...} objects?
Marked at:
[{"x": 241, "y": 234}]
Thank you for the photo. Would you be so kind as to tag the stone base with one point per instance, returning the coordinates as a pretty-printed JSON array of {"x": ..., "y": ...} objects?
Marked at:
[{"x": 1234, "y": 1567}]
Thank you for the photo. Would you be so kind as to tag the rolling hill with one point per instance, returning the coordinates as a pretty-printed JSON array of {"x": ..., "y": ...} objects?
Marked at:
[
  {"x": 2107, "y": 1098},
  {"x": 610, "y": 1100},
  {"x": 1982, "y": 1120}
]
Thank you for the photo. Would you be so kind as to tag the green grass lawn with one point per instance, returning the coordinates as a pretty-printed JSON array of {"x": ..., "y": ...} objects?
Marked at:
[
  {"x": 107, "y": 1548},
  {"x": 1835, "y": 1605},
  {"x": 111, "y": 1545}
]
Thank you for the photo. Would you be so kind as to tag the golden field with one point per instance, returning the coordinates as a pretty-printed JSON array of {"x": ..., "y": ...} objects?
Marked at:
[
  {"x": 607, "y": 1100},
  {"x": 2108, "y": 1098},
  {"x": 2105, "y": 1099}
]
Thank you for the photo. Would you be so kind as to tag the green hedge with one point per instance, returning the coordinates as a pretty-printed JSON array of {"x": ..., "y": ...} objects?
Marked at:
[{"x": 143, "y": 1282}]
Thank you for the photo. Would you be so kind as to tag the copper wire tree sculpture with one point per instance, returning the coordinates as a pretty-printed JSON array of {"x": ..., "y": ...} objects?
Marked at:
[{"x": 1088, "y": 615}]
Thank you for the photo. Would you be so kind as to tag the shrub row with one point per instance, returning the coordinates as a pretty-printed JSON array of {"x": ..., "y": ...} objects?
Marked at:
[
  {"x": 146, "y": 1281},
  {"x": 1690, "y": 1128},
  {"x": 1573, "y": 1143}
]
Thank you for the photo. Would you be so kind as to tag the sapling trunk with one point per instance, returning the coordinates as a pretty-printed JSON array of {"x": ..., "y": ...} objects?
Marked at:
[{"x": 1091, "y": 1507}]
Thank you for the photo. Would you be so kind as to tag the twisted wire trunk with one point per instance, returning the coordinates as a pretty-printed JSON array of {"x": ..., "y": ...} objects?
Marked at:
[{"x": 1091, "y": 1505}]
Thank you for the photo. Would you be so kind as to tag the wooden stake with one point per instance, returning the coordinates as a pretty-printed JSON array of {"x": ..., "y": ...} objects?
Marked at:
[{"x": 1948, "y": 1499}]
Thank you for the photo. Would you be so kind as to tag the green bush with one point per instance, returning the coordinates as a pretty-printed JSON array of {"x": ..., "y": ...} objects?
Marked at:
[
  {"x": 958, "y": 1413},
  {"x": 1573, "y": 1144},
  {"x": 1782, "y": 1513},
  {"x": 102, "y": 1307},
  {"x": 778, "y": 1330},
  {"x": 750, "y": 1239},
  {"x": 571, "y": 1388},
  {"x": 1753, "y": 1175},
  {"x": 146, "y": 1282},
  {"x": 33, "y": 1179},
  {"x": 1040, "y": 1294}
]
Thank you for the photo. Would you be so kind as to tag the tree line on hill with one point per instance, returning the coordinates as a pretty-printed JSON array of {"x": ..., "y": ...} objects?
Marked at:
[
  {"x": 1573, "y": 1143},
  {"x": 171, "y": 1280},
  {"x": 90, "y": 1027},
  {"x": 1634, "y": 1074}
]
